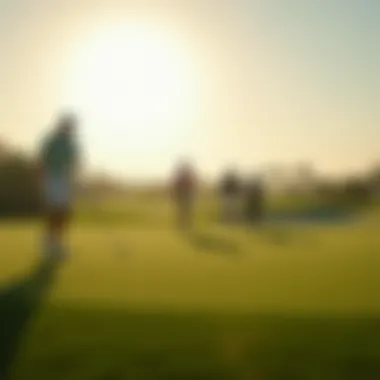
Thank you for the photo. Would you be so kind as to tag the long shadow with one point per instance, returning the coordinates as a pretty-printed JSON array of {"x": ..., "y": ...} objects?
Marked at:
[
  {"x": 18, "y": 304},
  {"x": 207, "y": 346},
  {"x": 213, "y": 243}
]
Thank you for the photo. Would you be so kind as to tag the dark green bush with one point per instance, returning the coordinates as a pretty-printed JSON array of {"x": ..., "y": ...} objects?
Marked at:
[{"x": 19, "y": 187}]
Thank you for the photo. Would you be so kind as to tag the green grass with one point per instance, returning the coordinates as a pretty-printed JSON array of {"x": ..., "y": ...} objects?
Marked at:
[{"x": 139, "y": 300}]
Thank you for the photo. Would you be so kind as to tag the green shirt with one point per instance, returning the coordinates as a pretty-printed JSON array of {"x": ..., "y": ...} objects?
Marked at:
[{"x": 59, "y": 155}]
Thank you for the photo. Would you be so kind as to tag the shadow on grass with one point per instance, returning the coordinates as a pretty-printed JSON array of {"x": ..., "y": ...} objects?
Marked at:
[
  {"x": 280, "y": 236},
  {"x": 18, "y": 304},
  {"x": 213, "y": 243},
  {"x": 105, "y": 344}
]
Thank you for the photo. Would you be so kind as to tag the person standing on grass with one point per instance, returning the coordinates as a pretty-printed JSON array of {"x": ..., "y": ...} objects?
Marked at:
[
  {"x": 184, "y": 191},
  {"x": 254, "y": 199},
  {"x": 230, "y": 191},
  {"x": 58, "y": 165}
]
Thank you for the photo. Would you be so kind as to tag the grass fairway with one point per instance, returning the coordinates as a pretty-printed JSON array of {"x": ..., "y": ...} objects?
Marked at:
[{"x": 139, "y": 300}]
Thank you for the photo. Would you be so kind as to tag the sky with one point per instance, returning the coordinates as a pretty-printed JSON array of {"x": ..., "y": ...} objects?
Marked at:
[{"x": 239, "y": 82}]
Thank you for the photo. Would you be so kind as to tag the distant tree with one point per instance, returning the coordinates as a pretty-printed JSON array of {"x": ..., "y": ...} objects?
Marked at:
[
  {"x": 374, "y": 179},
  {"x": 19, "y": 187},
  {"x": 4, "y": 151},
  {"x": 276, "y": 177},
  {"x": 305, "y": 176},
  {"x": 357, "y": 191},
  {"x": 100, "y": 186}
]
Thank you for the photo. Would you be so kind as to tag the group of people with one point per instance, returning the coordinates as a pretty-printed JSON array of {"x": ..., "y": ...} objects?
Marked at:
[
  {"x": 240, "y": 200},
  {"x": 59, "y": 162}
]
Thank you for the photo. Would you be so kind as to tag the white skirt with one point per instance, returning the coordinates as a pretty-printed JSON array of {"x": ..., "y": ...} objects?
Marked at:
[{"x": 57, "y": 191}]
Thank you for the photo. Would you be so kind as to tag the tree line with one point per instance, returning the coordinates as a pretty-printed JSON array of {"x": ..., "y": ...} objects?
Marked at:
[
  {"x": 20, "y": 194},
  {"x": 19, "y": 184}
]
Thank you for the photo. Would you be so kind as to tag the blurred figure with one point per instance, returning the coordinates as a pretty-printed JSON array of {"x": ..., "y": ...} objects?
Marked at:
[
  {"x": 58, "y": 164},
  {"x": 184, "y": 191},
  {"x": 254, "y": 200},
  {"x": 230, "y": 191}
]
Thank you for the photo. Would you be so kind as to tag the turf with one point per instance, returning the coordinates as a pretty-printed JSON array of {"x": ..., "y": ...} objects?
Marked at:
[{"x": 140, "y": 300}]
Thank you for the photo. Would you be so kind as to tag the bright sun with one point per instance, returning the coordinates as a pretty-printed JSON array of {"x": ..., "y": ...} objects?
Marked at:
[{"x": 131, "y": 81}]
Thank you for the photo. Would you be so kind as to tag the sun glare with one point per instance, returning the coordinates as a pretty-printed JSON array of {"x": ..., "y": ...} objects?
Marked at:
[{"x": 131, "y": 81}]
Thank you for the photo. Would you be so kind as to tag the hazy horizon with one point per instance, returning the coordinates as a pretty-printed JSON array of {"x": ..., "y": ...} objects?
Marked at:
[{"x": 222, "y": 82}]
